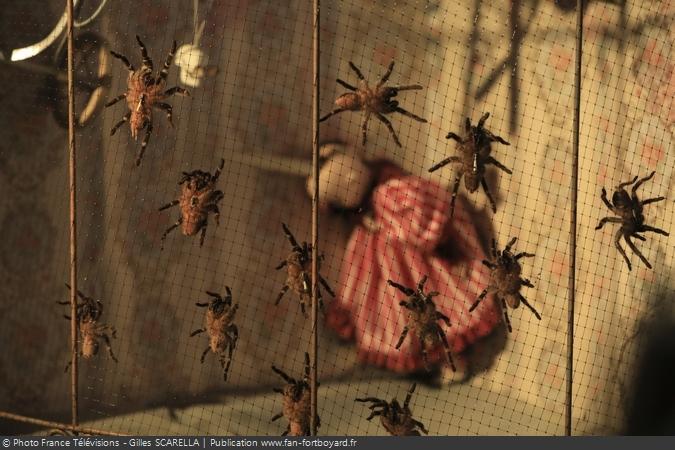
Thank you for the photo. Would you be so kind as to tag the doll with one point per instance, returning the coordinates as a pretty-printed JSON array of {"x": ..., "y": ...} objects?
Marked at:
[{"x": 402, "y": 231}]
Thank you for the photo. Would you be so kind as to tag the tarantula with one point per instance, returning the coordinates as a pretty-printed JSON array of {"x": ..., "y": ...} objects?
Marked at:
[
  {"x": 145, "y": 92},
  {"x": 377, "y": 101},
  {"x": 505, "y": 280},
  {"x": 423, "y": 320},
  {"x": 223, "y": 334},
  {"x": 198, "y": 199},
  {"x": 474, "y": 155},
  {"x": 397, "y": 420},
  {"x": 297, "y": 406},
  {"x": 88, "y": 314},
  {"x": 629, "y": 209},
  {"x": 298, "y": 269}
]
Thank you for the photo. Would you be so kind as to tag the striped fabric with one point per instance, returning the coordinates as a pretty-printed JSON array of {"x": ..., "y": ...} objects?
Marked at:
[{"x": 413, "y": 224}]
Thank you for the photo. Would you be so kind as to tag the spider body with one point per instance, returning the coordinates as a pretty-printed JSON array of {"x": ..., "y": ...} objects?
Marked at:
[
  {"x": 629, "y": 210},
  {"x": 396, "y": 419},
  {"x": 299, "y": 273},
  {"x": 144, "y": 93},
  {"x": 422, "y": 320},
  {"x": 199, "y": 198},
  {"x": 474, "y": 154},
  {"x": 377, "y": 101},
  {"x": 296, "y": 402},
  {"x": 222, "y": 333},
  {"x": 91, "y": 330},
  {"x": 505, "y": 280}
]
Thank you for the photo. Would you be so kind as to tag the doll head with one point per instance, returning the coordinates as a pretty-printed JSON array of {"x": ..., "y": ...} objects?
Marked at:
[{"x": 344, "y": 178}]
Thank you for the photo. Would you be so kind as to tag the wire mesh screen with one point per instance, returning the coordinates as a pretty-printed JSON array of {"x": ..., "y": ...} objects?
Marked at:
[{"x": 445, "y": 197}]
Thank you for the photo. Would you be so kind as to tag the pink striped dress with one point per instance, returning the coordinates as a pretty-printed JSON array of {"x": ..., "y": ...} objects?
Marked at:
[{"x": 414, "y": 236}]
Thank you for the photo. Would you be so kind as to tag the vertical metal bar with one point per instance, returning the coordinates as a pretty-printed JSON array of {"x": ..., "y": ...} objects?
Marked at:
[
  {"x": 473, "y": 54},
  {"x": 573, "y": 218},
  {"x": 315, "y": 223},
  {"x": 73, "y": 217}
]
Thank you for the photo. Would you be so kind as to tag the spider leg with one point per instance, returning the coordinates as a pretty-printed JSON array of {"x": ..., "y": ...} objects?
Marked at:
[
  {"x": 288, "y": 430},
  {"x": 408, "y": 396},
  {"x": 196, "y": 332},
  {"x": 115, "y": 100},
  {"x": 626, "y": 183},
  {"x": 404, "y": 333},
  {"x": 332, "y": 113},
  {"x": 67, "y": 317},
  {"x": 108, "y": 347},
  {"x": 637, "y": 236},
  {"x": 307, "y": 367},
  {"x": 68, "y": 366},
  {"x": 169, "y": 205},
  {"x": 603, "y": 196},
  {"x": 116, "y": 127},
  {"x": 364, "y": 127},
  {"x": 420, "y": 285},
  {"x": 203, "y": 235},
  {"x": 277, "y": 417},
  {"x": 169, "y": 111},
  {"x": 491, "y": 160},
  {"x": 454, "y": 136},
  {"x": 488, "y": 264},
  {"x": 170, "y": 229},
  {"x": 400, "y": 287},
  {"x": 467, "y": 125},
  {"x": 495, "y": 138},
  {"x": 617, "y": 238},
  {"x": 482, "y": 120},
  {"x": 165, "y": 70},
  {"x": 444, "y": 318},
  {"x": 445, "y": 162},
  {"x": 204, "y": 354},
  {"x": 420, "y": 425},
  {"x": 526, "y": 282},
  {"x": 385, "y": 121},
  {"x": 290, "y": 237},
  {"x": 654, "y": 230},
  {"x": 607, "y": 219},
  {"x": 448, "y": 353},
  {"x": 480, "y": 299},
  {"x": 493, "y": 246},
  {"x": 147, "y": 62},
  {"x": 218, "y": 171},
  {"x": 346, "y": 85},
  {"x": 408, "y": 87},
  {"x": 202, "y": 305},
  {"x": 283, "y": 375},
  {"x": 324, "y": 283},
  {"x": 144, "y": 144},
  {"x": 643, "y": 180},
  {"x": 652, "y": 200},
  {"x": 124, "y": 60},
  {"x": 409, "y": 114},
  {"x": 524, "y": 255},
  {"x": 356, "y": 70},
  {"x": 489, "y": 196},
  {"x": 281, "y": 294},
  {"x": 386, "y": 75},
  {"x": 530, "y": 307},
  {"x": 506, "y": 316},
  {"x": 510, "y": 244},
  {"x": 373, "y": 414},
  {"x": 636, "y": 251},
  {"x": 176, "y": 90},
  {"x": 281, "y": 265},
  {"x": 455, "y": 189}
]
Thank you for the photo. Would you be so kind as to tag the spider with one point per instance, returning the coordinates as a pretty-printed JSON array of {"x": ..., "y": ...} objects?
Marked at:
[
  {"x": 297, "y": 407},
  {"x": 397, "y": 420},
  {"x": 474, "y": 155},
  {"x": 88, "y": 314},
  {"x": 223, "y": 334},
  {"x": 298, "y": 268},
  {"x": 423, "y": 320},
  {"x": 377, "y": 101},
  {"x": 198, "y": 199},
  {"x": 505, "y": 280},
  {"x": 145, "y": 92},
  {"x": 629, "y": 209}
]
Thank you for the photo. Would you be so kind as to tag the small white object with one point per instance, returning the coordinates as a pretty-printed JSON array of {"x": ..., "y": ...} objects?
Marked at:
[{"x": 192, "y": 62}]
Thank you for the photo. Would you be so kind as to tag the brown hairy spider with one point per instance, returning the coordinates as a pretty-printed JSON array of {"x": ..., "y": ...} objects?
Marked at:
[
  {"x": 474, "y": 155},
  {"x": 297, "y": 405},
  {"x": 377, "y": 101},
  {"x": 423, "y": 320},
  {"x": 145, "y": 92},
  {"x": 198, "y": 199},
  {"x": 223, "y": 334},
  {"x": 505, "y": 280},
  {"x": 299, "y": 273},
  {"x": 397, "y": 420},
  {"x": 629, "y": 209},
  {"x": 88, "y": 314}
]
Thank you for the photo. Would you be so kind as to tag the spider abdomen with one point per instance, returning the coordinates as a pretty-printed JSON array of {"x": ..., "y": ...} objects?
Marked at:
[
  {"x": 89, "y": 339},
  {"x": 216, "y": 327},
  {"x": 350, "y": 101},
  {"x": 297, "y": 412}
]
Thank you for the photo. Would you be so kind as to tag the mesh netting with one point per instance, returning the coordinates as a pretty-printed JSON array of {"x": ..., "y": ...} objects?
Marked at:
[{"x": 385, "y": 215}]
